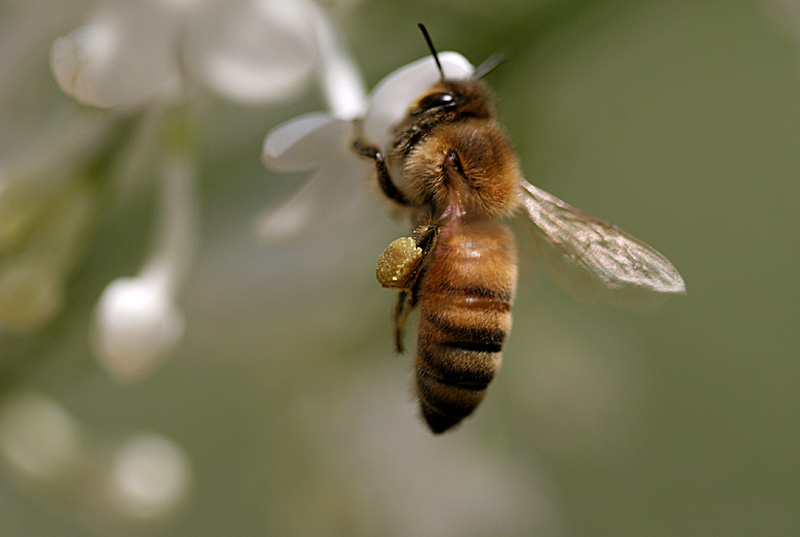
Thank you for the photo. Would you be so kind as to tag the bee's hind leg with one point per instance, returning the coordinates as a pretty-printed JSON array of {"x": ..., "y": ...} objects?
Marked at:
[
  {"x": 400, "y": 267},
  {"x": 405, "y": 304}
]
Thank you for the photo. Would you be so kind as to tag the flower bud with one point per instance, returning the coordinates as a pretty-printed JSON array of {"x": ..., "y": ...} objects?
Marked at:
[{"x": 137, "y": 325}]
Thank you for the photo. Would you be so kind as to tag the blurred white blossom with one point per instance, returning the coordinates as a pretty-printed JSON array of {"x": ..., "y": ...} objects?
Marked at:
[
  {"x": 244, "y": 50},
  {"x": 140, "y": 72},
  {"x": 138, "y": 325},
  {"x": 320, "y": 142},
  {"x": 140, "y": 478},
  {"x": 38, "y": 437},
  {"x": 137, "y": 321},
  {"x": 149, "y": 476},
  {"x": 148, "y": 62}
]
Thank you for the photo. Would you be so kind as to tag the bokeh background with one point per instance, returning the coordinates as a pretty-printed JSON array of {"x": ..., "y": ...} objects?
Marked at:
[{"x": 678, "y": 121}]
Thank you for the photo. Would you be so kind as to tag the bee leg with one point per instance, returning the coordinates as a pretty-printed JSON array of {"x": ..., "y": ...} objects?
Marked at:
[
  {"x": 401, "y": 311},
  {"x": 425, "y": 238},
  {"x": 399, "y": 265},
  {"x": 425, "y": 235},
  {"x": 388, "y": 187}
]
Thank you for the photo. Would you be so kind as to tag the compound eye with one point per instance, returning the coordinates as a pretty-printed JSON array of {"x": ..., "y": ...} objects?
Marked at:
[{"x": 435, "y": 100}]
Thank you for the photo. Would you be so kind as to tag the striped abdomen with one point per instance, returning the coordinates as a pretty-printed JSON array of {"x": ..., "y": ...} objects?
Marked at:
[{"x": 465, "y": 296}]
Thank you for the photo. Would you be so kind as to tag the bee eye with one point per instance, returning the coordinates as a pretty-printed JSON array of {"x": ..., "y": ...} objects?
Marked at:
[{"x": 435, "y": 100}]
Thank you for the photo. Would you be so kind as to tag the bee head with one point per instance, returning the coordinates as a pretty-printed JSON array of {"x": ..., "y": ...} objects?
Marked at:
[
  {"x": 451, "y": 100},
  {"x": 446, "y": 102}
]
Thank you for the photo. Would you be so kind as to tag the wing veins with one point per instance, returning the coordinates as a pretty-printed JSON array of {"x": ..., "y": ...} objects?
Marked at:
[{"x": 611, "y": 264}]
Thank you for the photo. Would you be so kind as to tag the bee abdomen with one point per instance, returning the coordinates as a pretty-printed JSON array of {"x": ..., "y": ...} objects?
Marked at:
[
  {"x": 457, "y": 359},
  {"x": 465, "y": 301}
]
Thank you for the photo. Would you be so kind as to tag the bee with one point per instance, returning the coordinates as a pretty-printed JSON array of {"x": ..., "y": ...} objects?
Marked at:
[{"x": 459, "y": 178}]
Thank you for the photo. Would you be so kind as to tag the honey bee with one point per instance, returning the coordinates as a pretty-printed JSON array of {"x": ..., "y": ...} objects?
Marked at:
[{"x": 460, "y": 177}]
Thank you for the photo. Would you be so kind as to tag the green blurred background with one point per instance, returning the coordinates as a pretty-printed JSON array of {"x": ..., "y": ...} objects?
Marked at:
[{"x": 678, "y": 121}]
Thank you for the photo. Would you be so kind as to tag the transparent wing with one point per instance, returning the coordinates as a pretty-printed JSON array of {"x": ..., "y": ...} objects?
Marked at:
[{"x": 595, "y": 259}]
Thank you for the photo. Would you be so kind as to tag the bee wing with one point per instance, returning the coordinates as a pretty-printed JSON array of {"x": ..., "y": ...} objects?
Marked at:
[{"x": 595, "y": 259}]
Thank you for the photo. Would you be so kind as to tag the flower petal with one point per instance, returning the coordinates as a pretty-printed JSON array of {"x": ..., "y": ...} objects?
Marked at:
[
  {"x": 250, "y": 51},
  {"x": 339, "y": 75},
  {"x": 124, "y": 56},
  {"x": 393, "y": 95},
  {"x": 333, "y": 194},
  {"x": 301, "y": 143}
]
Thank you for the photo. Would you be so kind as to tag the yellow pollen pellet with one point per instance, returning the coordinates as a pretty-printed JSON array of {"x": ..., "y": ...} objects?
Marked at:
[{"x": 398, "y": 263}]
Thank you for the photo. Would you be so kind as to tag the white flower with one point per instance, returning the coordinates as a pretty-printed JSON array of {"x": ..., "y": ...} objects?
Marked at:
[
  {"x": 243, "y": 50},
  {"x": 137, "y": 322},
  {"x": 39, "y": 438},
  {"x": 155, "y": 55},
  {"x": 321, "y": 142},
  {"x": 149, "y": 476},
  {"x": 106, "y": 481}
]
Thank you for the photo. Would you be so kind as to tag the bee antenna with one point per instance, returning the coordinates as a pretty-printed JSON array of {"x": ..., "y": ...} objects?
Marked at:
[
  {"x": 493, "y": 61},
  {"x": 433, "y": 49}
]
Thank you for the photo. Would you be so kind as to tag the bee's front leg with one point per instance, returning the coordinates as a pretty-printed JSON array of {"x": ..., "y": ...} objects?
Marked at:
[{"x": 366, "y": 150}]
